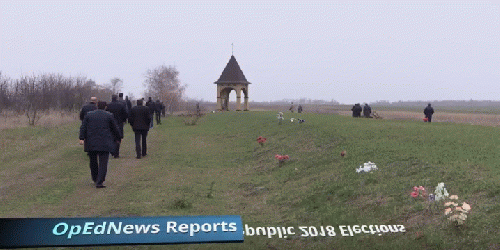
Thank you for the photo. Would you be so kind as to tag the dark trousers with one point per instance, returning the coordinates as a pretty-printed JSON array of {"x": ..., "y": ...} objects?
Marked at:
[
  {"x": 158, "y": 120},
  {"x": 98, "y": 166},
  {"x": 138, "y": 149},
  {"x": 429, "y": 118},
  {"x": 117, "y": 153}
]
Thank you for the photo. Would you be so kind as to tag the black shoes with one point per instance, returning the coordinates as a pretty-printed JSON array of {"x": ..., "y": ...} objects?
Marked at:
[
  {"x": 100, "y": 186},
  {"x": 138, "y": 157}
]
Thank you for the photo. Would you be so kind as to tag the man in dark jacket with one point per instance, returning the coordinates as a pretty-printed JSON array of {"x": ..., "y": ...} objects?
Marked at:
[
  {"x": 119, "y": 111},
  {"x": 129, "y": 103},
  {"x": 100, "y": 134},
  {"x": 152, "y": 107},
  {"x": 140, "y": 120},
  {"x": 120, "y": 100},
  {"x": 367, "y": 110},
  {"x": 158, "y": 112},
  {"x": 163, "y": 109},
  {"x": 428, "y": 112},
  {"x": 356, "y": 110},
  {"x": 91, "y": 106}
]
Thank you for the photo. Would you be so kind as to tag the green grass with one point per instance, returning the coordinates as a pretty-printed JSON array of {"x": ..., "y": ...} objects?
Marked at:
[{"x": 217, "y": 168}]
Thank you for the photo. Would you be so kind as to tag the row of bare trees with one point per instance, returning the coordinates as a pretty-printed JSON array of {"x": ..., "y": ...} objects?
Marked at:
[{"x": 32, "y": 95}]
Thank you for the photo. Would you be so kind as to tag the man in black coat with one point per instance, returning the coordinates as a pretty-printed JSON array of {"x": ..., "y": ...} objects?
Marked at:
[
  {"x": 129, "y": 103},
  {"x": 119, "y": 111},
  {"x": 100, "y": 134},
  {"x": 367, "y": 110},
  {"x": 152, "y": 107},
  {"x": 163, "y": 110},
  {"x": 356, "y": 110},
  {"x": 140, "y": 120},
  {"x": 91, "y": 106},
  {"x": 158, "y": 112},
  {"x": 428, "y": 112}
]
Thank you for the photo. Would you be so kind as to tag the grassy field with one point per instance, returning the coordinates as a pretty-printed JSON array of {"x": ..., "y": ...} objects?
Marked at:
[{"x": 45, "y": 173}]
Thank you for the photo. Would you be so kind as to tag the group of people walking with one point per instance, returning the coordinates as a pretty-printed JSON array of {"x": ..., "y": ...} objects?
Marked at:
[
  {"x": 101, "y": 131},
  {"x": 357, "y": 109},
  {"x": 367, "y": 110}
]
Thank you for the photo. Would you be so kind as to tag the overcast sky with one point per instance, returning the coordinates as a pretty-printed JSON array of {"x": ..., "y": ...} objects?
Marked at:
[{"x": 349, "y": 52}]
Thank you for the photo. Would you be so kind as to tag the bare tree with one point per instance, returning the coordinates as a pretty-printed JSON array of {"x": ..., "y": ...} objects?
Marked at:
[
  {"x": 116, "y": 85},
  {"x": 162, "y": 83}
]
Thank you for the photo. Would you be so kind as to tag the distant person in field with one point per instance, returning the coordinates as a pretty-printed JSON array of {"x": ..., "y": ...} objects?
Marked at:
[
  {"x": 119, "y": 111},
  {"x": 129, "y": 103},
  {"x": 198, "y": 110},
  {"x": 292, "y": 108},
  {"x": 158, "y": 112},
  {"x": 140, "y": 119},
  {"x": 91, "y": 106},
  {"x": 99, "y": 134},
  {"x": 299, "y": 109},
  {"x": 163, "y": 109},
  {"x": 367, "y": 110},
  {"x": 356, "y": 110},
  {"x": 428, "y": 112},
  {"x": 151, "y": 105}
]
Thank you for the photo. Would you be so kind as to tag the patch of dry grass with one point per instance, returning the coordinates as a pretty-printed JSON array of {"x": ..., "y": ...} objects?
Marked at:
[{"x": 49, "y": 119}]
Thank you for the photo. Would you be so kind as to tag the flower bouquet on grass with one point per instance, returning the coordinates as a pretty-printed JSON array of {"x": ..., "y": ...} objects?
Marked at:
[
  {"x": 419, "y": 192},
  {"x": 367, "y": 167},
  {"x": 281, "y": 159},
  {"x": 280, "y": 117},
  {"x": 297, "y": 120},
  {"x": 456, "y": 214},
  {"x": 261, "y": 140},
  {"x": 440, "y": 192}
]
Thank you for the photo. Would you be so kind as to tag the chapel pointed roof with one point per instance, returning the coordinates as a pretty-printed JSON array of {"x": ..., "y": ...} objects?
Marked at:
[{"x": 232, "y": 73}]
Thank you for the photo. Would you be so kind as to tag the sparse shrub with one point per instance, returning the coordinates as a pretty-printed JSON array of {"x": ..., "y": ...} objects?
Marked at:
[
  {"x": 181, "y": 203},
  {"x": 211, "y": 190}
]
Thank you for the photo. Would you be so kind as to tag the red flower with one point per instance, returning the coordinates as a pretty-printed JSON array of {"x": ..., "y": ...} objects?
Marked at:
[
  {"x": 280, "y": 157},
  {"x": 414, "y": 194},
  {"x": 286, "y": 157},
  {"x": 415, "y": 188},
  {"x": 277, "y": 156}
]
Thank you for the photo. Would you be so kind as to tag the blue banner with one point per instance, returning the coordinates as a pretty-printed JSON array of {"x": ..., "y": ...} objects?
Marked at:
[{"x": 53, "y": 232}]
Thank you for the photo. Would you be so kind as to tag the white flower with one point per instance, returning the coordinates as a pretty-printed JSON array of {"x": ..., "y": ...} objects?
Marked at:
[{"x": 445, "y": 193}]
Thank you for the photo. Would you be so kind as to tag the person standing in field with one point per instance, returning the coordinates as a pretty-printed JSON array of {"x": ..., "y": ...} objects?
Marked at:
[
  {"x": 99, "y": 134},
  {"x": 91, "y": 106},
  {"x": 139, "y": 119},
  {"x": 292, "y": 108},
  {"x": 299, "y": 109},
  {"x": 367, "y": 110},
  {"x": 428, "y": 112},
  {"x": 356, "y": 110},
  {"x": 151, "y": 105},
  {"x": 119, "y": 111}
]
